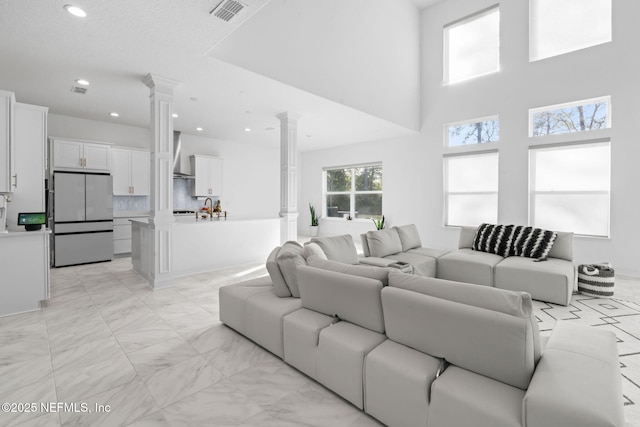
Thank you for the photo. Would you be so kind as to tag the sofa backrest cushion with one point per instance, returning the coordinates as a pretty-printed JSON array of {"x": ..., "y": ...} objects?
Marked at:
[
  {"x": 513, "y": 303},
  {"x": 288, "y": 260},
  {"x": 409, "y": 236},
  {"x": 467, "y": 235},
  {"x": 487, "y": 342},
  {"x": 365, "y": 245},
  {"x": 338, "y": 248},
  {"x": 279, "y": 285},
  {"x": 311, "y": 249},
  {"x": 351, "y": 298},
  {"x": 378, "y": 273},
  {"x": 563, "y": 246},
  {"x": 383, "y": 242}
]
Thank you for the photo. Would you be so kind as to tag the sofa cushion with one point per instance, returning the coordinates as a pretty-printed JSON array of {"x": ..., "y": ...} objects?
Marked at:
[
  {"x": 517, "y": 304},
  {"x": 338, "y": 248},
  {"x": 351, "y": 298},
  {"x": 288, "y": 259},
  {"x": 381, "y": 274},
  {"x": 469, "y": 266},
  {"x": 280, "y": 285},
  {"x": 311, "y": 249},
  {"x": 551, "y": 280},
  {"x": 384, "y": 242},
  {"x": 409, "y": 236},
  {"x": 487, "y": 342},
  {"x": 467, "y": 234},
  {"x": 562, "y": 247}
]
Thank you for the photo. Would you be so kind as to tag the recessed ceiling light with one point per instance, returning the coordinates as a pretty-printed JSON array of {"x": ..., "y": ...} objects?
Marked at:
[
  {"x": 199, "y": 129},
  {"x": 247, "y": 129},
  {"x": 114, "y": 114},
  {"x": 83, "y": 82},
  {"x": 75, "y": 11},
  {"x": 174, "y": 115}
]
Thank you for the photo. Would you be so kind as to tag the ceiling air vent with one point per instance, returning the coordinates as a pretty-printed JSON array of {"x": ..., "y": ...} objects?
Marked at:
[
  {"x": 79, "y": 89},
  {"x": 227, "y": 9}
]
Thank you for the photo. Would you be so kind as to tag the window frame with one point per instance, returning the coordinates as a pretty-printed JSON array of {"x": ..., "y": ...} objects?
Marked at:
[
  {"x": 352, "y": 193},
  {"x": 446, "y": 192},
  {"x": 532, "y": 176},
  {"x": 446, "y": 66},
  {"x": 532, "y": 111},
  {"x": 495, "y": 117}
]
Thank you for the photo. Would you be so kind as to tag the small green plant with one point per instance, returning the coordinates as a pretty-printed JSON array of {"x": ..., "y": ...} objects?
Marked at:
[
  {"x": 379, "y": 223},
  {"x": 314, "y": 217}
]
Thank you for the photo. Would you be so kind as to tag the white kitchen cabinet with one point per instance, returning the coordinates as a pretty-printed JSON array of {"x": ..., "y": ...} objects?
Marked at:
[
  {"x": 30, "y": 136},
  {"x": 130, "y": 170},
  {"x": 208, "y": 175},
  {"x": 7, "y": 144},
  {"x": 122, "y": 233},
  {"x": 80, "y": 155},
  {"x": 24, "y": 262}
]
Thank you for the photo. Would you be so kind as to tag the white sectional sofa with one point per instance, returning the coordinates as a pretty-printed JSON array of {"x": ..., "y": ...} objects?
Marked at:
[
  {"x": 551, "y": 279},
  {"x": 430, "y": 352}
]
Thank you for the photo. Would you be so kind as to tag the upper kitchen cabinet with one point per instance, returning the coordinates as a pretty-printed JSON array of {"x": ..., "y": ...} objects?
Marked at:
[
  {"x": 208, "y": 173},
  {"x": 130, "y": 170},
  {"x": 80, "y": 155},
  {"x": 30, "y": 136},
  {"x": 7, "y": 155}
]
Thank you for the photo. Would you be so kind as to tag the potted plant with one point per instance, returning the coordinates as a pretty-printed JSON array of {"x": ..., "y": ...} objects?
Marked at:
[
  {"x": 379, "y": 223},
  {"x": 313, "y": 229}
]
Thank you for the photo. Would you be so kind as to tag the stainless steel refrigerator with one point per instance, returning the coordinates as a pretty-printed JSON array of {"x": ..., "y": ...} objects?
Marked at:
[{"x": 82, "y": 218}]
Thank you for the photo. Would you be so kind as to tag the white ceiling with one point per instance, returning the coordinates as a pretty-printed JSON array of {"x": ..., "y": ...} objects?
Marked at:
[{"x": 43, "y": 50}]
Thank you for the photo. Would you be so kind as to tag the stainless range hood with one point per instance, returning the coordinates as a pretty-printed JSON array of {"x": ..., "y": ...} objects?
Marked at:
[{"x": 177, "y": 158}]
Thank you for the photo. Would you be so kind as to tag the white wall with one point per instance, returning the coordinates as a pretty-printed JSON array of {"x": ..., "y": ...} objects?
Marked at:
[
  {"x": 413, "y": 168},
  {"x": 360, "y": 53},
  {"x": 251, "y": 185}
]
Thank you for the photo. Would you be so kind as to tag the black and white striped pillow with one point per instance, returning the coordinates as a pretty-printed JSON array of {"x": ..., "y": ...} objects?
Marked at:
[
  {"x": 494, "y": 239},
  {"x": 511, "y": 240},
  {"x": 532, "y": 242}
]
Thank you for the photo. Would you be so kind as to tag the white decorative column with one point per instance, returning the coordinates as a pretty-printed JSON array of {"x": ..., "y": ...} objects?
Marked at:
[
  {"x": 288, "y": 176},
  {"x": 161, "y": 221}
]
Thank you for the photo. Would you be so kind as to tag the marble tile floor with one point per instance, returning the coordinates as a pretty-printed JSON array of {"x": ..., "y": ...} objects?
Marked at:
[{"x": 156, "y": 358}]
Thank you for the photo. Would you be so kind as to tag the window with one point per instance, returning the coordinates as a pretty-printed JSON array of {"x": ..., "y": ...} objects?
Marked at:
[
  {"x": 354, "y": 191},
  {"x": 472, "y": 46},
  {"x": 569, "y": 188},
  {"x": 579, "y": 116},
  {"x": 562, "y": 26},
  {"x": 471, "y": 188},
  {"x": 477, "y": 131}
]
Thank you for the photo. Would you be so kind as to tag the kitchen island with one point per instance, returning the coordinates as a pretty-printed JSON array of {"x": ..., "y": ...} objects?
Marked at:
[
  {"x": 201, "y": 245},
  {"x": 24, "y": 263}
]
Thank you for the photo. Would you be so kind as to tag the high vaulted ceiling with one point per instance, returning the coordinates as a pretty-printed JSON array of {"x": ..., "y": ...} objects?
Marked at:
[{"x": 43, "y": 50}]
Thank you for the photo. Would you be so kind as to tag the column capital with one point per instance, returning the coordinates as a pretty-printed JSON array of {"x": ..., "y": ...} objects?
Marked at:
[
  {"x": 160, "y": 83},
  {"x": 288, "y": 115}
]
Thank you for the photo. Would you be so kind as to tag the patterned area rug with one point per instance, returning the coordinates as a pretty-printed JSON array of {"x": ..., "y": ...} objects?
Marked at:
[{"x": 621, "y": 317}]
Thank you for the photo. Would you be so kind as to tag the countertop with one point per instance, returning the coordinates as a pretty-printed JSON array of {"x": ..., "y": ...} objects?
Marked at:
[
  {"x": 25, "y": 233},
  {"x": 188, "y": 219},
  {"x": 131, "y": 214}
]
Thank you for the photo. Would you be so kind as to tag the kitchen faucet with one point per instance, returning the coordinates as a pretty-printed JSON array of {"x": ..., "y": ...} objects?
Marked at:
[{"x": 210, "y": 210}]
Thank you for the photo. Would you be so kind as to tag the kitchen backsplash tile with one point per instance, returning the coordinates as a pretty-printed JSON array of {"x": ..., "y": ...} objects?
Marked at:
[
  {"x": 182, "y": 199},
  {"x": 131, "y": 203}
]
